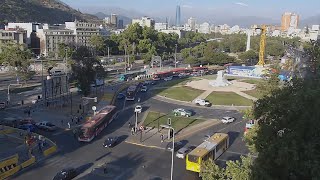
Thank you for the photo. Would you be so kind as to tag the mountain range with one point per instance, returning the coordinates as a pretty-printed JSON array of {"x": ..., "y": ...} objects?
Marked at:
[{"x": 42, "y": 11}]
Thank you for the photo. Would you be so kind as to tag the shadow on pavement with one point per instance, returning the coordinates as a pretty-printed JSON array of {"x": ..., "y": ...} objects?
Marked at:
[
  {"x": 232, "y": 136},
  {"x": 103, "y": 156},
  {"x": 83, "y": 168}
]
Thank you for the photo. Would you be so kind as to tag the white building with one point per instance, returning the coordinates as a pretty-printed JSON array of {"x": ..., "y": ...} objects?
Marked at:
[
  {"x": 29, "y": 27},
  {"x": 181, "y": 33},
  {"x": 107, "y": 20},
  {"x": 192, "y": 23},
  {"x": 160, "y": 26},
  {"x": 83, "y": 31},
  {"x": 144, "y": 21},
  {"x": 235, "y": 29},
  {"x": 204, "y": 28}
]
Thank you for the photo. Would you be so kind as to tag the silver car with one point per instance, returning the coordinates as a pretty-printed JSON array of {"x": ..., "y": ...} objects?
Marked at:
[{"x": 181, "y": 154}]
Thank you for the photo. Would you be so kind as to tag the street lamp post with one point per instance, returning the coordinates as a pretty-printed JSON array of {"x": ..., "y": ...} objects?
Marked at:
[
  {"x": 9, "y": 90},
  {"x": 172, "y": 155},
  {"x": 175, "y": 57}
]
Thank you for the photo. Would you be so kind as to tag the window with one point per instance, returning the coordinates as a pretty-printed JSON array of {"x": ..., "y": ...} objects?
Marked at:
[{"x": 193, "y": 158}]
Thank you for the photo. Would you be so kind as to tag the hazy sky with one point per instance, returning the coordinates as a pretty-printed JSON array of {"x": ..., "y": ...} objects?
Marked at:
[{"x": 267, "y": 8}]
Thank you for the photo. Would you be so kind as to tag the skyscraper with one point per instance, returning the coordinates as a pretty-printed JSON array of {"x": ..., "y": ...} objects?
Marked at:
[
  {"x": 114, "y": 19},
  {"x": 178, "y": 16},
  {"x": 289, "y": 20}
]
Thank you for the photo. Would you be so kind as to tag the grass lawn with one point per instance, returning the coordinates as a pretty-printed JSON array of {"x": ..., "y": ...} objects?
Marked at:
[
  {"x": 180, "y": 93},
  {"x": 176, "y": 82},
  {"x": 228, "y": 98},
  {"x": 178, "y": 123},
  {"x": 255, "y": 93},
  {"x": 252, "y": 81}
]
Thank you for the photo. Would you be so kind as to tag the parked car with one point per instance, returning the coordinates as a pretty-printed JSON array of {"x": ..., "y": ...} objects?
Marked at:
[
  {"x": 168, "y": 78},
  {"x": 110, "y": 142},
  {"x": 2, "y": 105},
  {"x": 182, "y": 112},
  {"x": 121, "y": 96},
  {"x": 202, "y": 102},
  {"x": 28, "y": 127},
  {"x": 144, "y": 89},
  {"x": 47, "y": 126},
  {"x": 66, "y": 174},
  {"x": 177, "y": 145},
  {"x": 138, "y": 109},
  {"x": 226, "y": 120},
  {"x": 181, "y": 154}
]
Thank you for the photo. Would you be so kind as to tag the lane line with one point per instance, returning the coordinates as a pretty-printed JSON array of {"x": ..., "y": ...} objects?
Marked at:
[{"x": 137, "y": 144}]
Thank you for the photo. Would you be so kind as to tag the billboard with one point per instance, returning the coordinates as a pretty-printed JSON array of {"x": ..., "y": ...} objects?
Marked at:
[{"x": 246, "y": 71}]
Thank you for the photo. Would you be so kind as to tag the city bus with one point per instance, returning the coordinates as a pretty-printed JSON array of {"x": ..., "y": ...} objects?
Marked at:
[
  {"x": 212, "y": 148},
  {"x": 132, "y": 92},
  {"x": 131, "y": 75},
  {"x": 92, "y": 128}
]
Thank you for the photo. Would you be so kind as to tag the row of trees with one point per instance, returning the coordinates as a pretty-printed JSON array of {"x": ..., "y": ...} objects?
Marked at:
[{"x": 285, "y": 139}]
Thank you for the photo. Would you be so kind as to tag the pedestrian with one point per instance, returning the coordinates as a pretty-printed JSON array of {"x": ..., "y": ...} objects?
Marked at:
[
  {"x": 69, "y": 125},
  {"x": 39, "y": 146},
  {"x": 129, "y": 125},
  {"x": 72, "y": 119},
  {"x": 78, "y": 119},
  {"x": 132, "y": 131}
]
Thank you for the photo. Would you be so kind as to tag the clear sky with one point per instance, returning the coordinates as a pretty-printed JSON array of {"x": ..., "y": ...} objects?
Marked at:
[{"x": 266, "y": 8}]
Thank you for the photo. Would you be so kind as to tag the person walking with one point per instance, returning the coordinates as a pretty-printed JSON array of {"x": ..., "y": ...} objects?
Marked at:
[{"x": 69, "y": 125}]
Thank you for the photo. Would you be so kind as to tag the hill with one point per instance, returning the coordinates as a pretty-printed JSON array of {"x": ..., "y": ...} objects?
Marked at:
[
  {"x": 126, "y": 20},
  {"x": 314, "y": 20},
  {"x": 42, "y": 11}
]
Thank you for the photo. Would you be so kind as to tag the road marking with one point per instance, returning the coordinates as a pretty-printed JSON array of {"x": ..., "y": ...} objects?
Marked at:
[
  {"x": 137, "y": 144},
  {"x": 200, "y": 129}
]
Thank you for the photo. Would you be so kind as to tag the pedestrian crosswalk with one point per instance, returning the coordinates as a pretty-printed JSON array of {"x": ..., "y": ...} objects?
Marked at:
[{"x": 62, "y": 162}]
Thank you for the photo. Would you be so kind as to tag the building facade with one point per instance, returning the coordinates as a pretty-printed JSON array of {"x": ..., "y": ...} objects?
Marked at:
[
  {"x": 51, "y": 37},
  {"x": 180, "y": 33},
  {"x": 15, "y": 36},
  {"x": 192, "y": 23},
  {"x": 204, "y": 28},
  {"x": 83, "y": 31},
  {"x": 160, "y": 26},
  {"x": 114, "y": 19},
  {"x": 144, "y": 21},
  {"x": 289, "y": 20},
  {"x": 120, "y": 24}
]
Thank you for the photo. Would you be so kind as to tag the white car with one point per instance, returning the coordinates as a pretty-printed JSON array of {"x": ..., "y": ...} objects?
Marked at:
[
  {"x": 226, "y": 120},
  {"x": 202, "y": 102},
  {"x": 168, "y": 78},
  {"x": 144, "y": 89},
  {"x": 181, "y": 154},
  {"x": 138, "y": 109}
]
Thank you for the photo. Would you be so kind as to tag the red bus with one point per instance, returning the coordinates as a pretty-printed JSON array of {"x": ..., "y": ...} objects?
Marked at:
[{"x": 97, "y": 123}]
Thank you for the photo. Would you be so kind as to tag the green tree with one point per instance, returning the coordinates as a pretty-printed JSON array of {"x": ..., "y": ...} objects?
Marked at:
[
  {"x": 18, "y": 59},
  {"x": 64, "y": 49},
  {"x": 287, "y": 140},
  {"x": 239, "y": 170},
  {"x": 85, "y": 69},
  {"x": 249, "y": 56},
  {"x": 211, "y": 171},
  {"x": 191, "y": 60},
  {"x": 98, "y": 42},
  {"x": 271, "y": 84}
]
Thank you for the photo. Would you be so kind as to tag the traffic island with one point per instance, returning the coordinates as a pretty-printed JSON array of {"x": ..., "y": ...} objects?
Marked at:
[
  {"x": 180, "y": 93},
  {"x": 152, "y": 137},
  {"x": 229, "y": 99}
]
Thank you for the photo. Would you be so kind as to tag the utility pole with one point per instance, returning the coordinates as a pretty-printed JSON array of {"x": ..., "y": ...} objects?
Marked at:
[
  {"x": 125, "y": 59},
  {"x": 175, "y": 57},
  {"x": 108, "y": 53}
]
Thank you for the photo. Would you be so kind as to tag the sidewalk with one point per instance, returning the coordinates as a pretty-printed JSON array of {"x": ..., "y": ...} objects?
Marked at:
[{"x": 204, "y": 95}]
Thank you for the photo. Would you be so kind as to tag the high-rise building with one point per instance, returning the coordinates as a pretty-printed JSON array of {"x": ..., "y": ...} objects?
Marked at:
[
  {"x": 178, "y": 16},
  {"x": 120, "y": 24},
  {"x": 17, "y": 36},
  {"x": 289, "y": 20},
  {"x": 160, "y": 26},
  {"x": 114, "y": 19},
  {"x": 192, "y": 23},
  {"x": 83, "y": 31},
  {"x": 107, "y": 20}
]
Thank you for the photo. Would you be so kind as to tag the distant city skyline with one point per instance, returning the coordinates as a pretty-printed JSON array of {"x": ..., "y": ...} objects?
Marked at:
[{"x": 229, "y": 8}]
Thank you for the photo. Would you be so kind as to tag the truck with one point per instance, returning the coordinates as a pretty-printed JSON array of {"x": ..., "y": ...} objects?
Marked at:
[{"x": 202, "y": 102}]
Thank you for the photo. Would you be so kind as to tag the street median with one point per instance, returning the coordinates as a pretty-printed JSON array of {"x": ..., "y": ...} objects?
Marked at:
[{"x": 50, "y": 150}]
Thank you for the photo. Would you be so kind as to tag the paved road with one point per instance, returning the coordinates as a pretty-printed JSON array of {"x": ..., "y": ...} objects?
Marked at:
[{"x": 130, "y": 158}]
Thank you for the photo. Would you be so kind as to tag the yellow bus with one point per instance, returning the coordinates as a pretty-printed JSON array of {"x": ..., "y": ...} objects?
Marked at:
[{"x": 212, "y": 148}]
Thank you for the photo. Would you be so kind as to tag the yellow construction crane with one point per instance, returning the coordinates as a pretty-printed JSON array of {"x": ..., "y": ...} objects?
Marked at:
[{"x": 262, "y": 50}]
